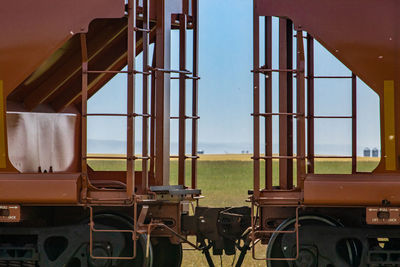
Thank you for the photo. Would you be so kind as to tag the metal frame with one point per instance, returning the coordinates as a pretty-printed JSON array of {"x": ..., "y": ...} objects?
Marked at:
[
  {"x": 254, "y": 232},
  {"x": 130, "y": 116},
  {"x": 93, "y": 230},
  {"x": 311, "y": 116},
  {"x": 285, "y": 113}
]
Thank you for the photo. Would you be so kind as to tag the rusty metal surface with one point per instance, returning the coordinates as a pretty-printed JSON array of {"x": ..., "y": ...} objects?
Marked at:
[
  {"x": 286, "y": 114},
  {"x": 352, "y": 190},
  {"x": 310, "y": 104},
  {"x": 195, "y": 90},
  {"x": 337, "y": 24},
  {"x": 382, "y": 215},
  {"x": 182, "y": 100},
  {"x": 38, "y": 188},
  {"x": 280, "y": 197},
  {"x": 31, "y": 37},
  {"x": 49, "y": 142},
  {"x": 370, "y": 54},
  {"x": 10, "y": 213},
  {"x": 268, "y": 102},
  {"x": 285, "y": 103},
  {"x": 256, "y": 103}
]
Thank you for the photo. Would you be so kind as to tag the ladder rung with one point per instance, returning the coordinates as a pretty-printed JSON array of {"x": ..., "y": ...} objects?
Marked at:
[
  {"x": 262, "y": 70},
  {"x": 141, "y": 115},
  {"x": 105, "y": 115},
  {"x": 186, "y": 157},
  {"x": 330, "y": 117},
  {"x": 116, "y": 115},
  {"x": 186, "y": 77},
  {"x": 111, "y": 157},
  {"x": 193, "y": 117},
  {"x": 104, "y": 157},
  {"x": 142, "y": 72},
  {"x": 141, "y": 30},
  {"x": 278, "y": 157},
  {"x": 171, "y": 71},
  {"x": 186, "y": 117},
  {"x": 332, "y": 157},
  {"x": 143, "y": 157},
  {"x": 278, "y": 114}
]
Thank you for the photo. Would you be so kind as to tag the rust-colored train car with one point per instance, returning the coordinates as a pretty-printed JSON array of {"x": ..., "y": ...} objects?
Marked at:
[
  {"x": 314, "y": 219},
  {"x": 56, "y": 210}
]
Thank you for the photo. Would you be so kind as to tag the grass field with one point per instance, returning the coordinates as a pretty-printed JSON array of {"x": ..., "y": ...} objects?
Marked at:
[{"x": 225, "y": 180}]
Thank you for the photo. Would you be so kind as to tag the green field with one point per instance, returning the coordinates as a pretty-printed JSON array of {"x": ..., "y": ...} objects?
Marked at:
[{"x": 225, "y": 180}]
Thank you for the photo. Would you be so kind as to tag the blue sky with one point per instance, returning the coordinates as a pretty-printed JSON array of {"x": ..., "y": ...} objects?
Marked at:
[{"x": 225, "y": 91}]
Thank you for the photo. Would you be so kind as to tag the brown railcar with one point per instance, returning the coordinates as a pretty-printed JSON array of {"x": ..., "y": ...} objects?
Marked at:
[
  {"x": 312, "y": 219},
  {"x": 57, "y": 211}
]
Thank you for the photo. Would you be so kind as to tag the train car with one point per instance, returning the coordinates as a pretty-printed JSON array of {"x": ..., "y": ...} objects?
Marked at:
[
  {"x": 311, "y": 219},
  {"x": 57, "y": 210}
]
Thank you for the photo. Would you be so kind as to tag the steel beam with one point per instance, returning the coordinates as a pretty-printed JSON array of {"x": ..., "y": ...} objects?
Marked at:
[
  {"x": 268, "y": 102},
  {"x": 300, "y": 106},
  {"x": 145, "y": 94},
  {"x": 152, "y": 118},
  {"x": 195, "y": 92},
  {"x": 310, "y": 104},
  {"x": 182, "y": 99},
  {"x": 162, "y": 135},
  {"x": 285, "y": 103},
  {"x": 256, "y": 103},
  {"x": 130, "y": 153},
  {"x": 353, "y": 123}
]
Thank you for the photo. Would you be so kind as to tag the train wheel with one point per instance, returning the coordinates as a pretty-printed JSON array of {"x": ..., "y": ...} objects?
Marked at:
[
  {"x": 107, "y": 249},
  {"x": 307, "y": 254},
  {"x": 165, "y": 253}
]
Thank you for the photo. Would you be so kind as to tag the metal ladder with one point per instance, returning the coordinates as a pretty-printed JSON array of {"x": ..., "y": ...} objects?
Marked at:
[
  {"x": 285, "y": 114},
  {"x": 183, "y": 75},
  {"x": 131, "y": 114}
]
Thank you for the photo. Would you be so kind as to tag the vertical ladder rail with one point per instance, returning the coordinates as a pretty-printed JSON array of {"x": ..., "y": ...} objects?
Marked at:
[
  {"x": 301, "y": 165},
  {"x": 285, "y": 103},
  {"x": 182, "y": 99},
  {"x": 153, "y": 112},
  {"x": 195, "y": 93},
  {"x": 130, "y": 181},
  {"x": 354, "y": 123},
  {"x": 84, "y": 171},
  {"x": 256, "y": 104},
  {"x": 268, "y": 103},
  {"x": 145, "y": 125},
  {"x": 310, "y": 104}
]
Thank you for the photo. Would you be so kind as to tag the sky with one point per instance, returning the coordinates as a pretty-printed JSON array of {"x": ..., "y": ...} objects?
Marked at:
[{"x": 225, "y": 92}]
